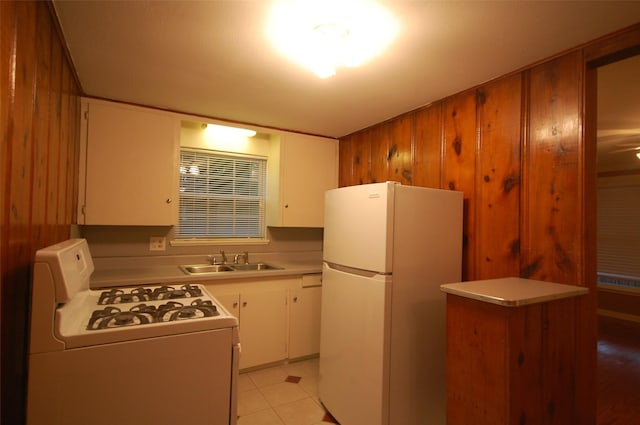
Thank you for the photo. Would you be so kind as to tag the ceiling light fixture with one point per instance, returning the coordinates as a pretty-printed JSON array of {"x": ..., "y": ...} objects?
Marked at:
[{"x": 323, "y": 35}]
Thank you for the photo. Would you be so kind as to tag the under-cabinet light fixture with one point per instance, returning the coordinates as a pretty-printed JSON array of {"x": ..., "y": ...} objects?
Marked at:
[{"x": 225, "y": 132}]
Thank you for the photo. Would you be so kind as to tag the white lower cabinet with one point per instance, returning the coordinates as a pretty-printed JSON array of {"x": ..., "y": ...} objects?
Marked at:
[
  {"x": 278, "y": 318},
  {"x": 262, "y": 316},
  {"x": 304, "y": 331}
]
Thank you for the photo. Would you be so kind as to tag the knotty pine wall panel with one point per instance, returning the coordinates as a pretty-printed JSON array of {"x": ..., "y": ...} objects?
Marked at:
[
  {"x": 39, "y": 98},
  {"x": 552, "y": 198},
  {"x": 345, "y": 168},
  {"x": 498, "y": 179},
  {"x": 379, "y": 139},
  {"x": 400, "y": 154},
  {"x": 361, "y": 148},
  {"x": 427, "y": 145},
  {"x": 555, "y": 209},
  {"x": 459, "y": 168},
  {"x": 41, "y": 126}
]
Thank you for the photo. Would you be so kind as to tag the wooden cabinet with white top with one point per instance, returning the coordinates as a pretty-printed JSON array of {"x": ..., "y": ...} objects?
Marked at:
[
  {"x": 128, "y": 167},
  {"x": 511, "y": 352},
  {"x": 301, "y": 169}
]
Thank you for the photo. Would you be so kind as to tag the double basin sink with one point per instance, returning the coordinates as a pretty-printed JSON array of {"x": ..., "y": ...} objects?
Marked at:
[{"x": 218, "y": 268}]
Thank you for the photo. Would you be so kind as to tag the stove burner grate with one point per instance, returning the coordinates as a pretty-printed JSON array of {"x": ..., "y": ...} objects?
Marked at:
[
  {"x": 113, "y": 317},
  {"x": 118, "y": 296},
  {"x": 168, "y": 292},
  {"x": 173, "y": 311},
  {"x": 165, "y": 292},
  {"x": 141, "y": 314}
]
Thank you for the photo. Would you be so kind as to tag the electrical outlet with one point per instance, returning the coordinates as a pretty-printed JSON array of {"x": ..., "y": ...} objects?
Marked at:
[{"x": 157, "y": 243}]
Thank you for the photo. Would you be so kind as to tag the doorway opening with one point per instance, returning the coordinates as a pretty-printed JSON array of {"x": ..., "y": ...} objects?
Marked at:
[{"x": 618, "y": 240}]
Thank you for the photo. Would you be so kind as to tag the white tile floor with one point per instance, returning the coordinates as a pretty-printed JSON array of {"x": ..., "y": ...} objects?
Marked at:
[{"x": 272, "y": 397}]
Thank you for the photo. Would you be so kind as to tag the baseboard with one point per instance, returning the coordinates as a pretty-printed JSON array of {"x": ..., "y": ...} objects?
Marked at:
[{"x": 620, "y": 316}]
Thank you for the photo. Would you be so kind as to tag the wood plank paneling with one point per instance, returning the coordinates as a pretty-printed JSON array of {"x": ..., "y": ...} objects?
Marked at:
[
  {"x": 41, "y": 127},
  {"x": 459, "y": 168},
  {"x": 39, "y": 155},
  {"x": 345, "y": 176},
  {"x": 400, "y": 149},
  {"x": 16, "y": 273},
  {"x": 361, "y": 148},
  {"x": 477, "y": 382},
  {"x": 558, "y": 363},
  {"x": 498, "y": 179},
  {"x": 427, "y": 164},
  {"x": 510, "y": 364},
  {"x": 379, "y": 153},
  {"x": 552, "y": 237},
  {"x": 55, "y": 142}
]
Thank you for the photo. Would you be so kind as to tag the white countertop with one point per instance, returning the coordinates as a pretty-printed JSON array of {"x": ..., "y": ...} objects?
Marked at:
[{"x": 513, "y": 291}]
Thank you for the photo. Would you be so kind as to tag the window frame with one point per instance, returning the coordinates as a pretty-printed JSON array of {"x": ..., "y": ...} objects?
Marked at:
[{"x": 260, "y": 236}]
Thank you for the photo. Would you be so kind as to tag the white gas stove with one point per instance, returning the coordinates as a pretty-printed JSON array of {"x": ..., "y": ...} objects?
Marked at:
[{"x": 166, "y": 345}]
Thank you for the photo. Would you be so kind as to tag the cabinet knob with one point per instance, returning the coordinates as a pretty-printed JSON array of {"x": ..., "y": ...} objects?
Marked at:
[
  {"x": 244, "y": 304},
  {"x": 286, "y": 205},
  {"x": 169, "y": 200},
  {"x": 295, "y": 299},
  {"x": 235, "y": 305}
]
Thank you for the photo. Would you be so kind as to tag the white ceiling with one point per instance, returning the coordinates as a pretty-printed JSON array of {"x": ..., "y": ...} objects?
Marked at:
[{"x": 212, "y": 58}]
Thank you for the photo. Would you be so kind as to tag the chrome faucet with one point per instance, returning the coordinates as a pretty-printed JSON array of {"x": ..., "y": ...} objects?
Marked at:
[
  {"x": 245, "y": 257},
  {"x": 212, "y": 259},
  {"x": 224, "y": 256}
]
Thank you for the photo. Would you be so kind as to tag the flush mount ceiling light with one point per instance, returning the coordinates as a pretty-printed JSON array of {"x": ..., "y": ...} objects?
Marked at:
[{"x": 323, "y": 35}]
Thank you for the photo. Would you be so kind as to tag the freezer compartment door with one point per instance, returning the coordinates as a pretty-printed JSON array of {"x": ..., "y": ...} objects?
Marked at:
[
  {"x": 357, "y": 226},
  {"x": 354, "y": 347}
]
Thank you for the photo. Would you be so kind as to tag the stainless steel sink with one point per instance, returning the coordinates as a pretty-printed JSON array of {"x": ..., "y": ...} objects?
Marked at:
[
  {"x": 219, "y": 268},
  {"x": 207, "y": 268},
  {"x": 255, "y": 267}
]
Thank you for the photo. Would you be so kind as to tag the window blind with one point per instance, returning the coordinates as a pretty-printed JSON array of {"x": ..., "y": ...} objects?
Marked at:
[
  {"x": 619, "y": 231},
  {"x": 221, "y": 196}
]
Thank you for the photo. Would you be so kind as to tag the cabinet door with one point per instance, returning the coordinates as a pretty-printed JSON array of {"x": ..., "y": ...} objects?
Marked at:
[
  {"x": 132, "y": 157},
  {"x": 304, "y": 323},
  {"x": 263, "y": 327},
  {"x": 231, "y": 302},
  {"x": 308, "y": 168}
]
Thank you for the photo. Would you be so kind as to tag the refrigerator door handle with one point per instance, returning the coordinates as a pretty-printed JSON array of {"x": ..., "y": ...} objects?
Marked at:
[{"x": 353, "y": 270}]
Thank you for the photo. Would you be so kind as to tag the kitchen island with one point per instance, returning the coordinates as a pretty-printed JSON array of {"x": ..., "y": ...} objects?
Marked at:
[{"x": 511, "y": 352}]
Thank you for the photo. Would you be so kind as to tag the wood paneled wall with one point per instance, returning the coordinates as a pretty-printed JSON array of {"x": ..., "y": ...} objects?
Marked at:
[
  {"x": 39, "y": 121},
  {"x": 522, "y": 150}
]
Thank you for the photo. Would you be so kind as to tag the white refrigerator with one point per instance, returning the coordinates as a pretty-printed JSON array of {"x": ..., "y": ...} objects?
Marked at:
[{"x": 387, "y": 249}]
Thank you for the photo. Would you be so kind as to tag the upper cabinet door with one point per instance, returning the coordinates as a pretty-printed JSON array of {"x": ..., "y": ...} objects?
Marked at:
[
  {"x": 307, "y": 168},
  {"x": 131, "y": 167}
]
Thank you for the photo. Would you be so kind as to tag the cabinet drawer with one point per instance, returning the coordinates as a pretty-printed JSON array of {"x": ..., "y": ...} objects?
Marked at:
[{"x": 311, "y": 280}]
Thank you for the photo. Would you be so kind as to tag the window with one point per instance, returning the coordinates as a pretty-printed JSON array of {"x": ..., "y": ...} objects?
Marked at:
[{"x": 221, "y": 196}]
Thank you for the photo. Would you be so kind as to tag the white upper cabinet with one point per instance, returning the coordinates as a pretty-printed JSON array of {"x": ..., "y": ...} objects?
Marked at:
[
  {"x": 301, "y": 169},
  {"x": 129, "y": 161}
]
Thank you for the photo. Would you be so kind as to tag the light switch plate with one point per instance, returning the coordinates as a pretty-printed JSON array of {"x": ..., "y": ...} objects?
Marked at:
[{"x": 157, "y": 243}]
